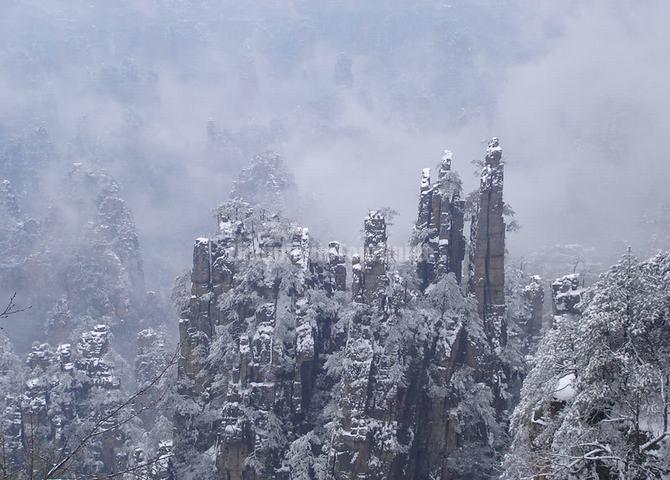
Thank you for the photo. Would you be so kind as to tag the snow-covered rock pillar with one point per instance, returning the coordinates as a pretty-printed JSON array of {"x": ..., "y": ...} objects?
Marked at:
[
  {"x": 566, "y": 293},
  {"x": 337, "y": 266},
  {"x": 489, "y": 254},
  {"x": 370, "y": 279},
  {"x": 439, "y": 226}
]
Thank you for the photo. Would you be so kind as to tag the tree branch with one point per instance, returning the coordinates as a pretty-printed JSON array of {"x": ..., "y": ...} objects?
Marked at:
[
  {"x": 654, "y": 441},
  {"x": 12, "y": 308}
]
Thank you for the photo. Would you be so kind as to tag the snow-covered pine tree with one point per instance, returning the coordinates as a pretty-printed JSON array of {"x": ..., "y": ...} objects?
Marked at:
[{"x": 595, "y": 404}]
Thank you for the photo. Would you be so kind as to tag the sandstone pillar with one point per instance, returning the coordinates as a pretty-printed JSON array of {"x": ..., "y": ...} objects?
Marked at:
[{"x": 489, "y": 247}]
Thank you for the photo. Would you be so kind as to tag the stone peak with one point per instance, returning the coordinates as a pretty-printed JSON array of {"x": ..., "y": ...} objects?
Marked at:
[
  {"x": 263, "y": 182},
  {"x": 447, "y": 158},
  {"x": 376, "y": 215},
  {"x": 493, "y": 152}
]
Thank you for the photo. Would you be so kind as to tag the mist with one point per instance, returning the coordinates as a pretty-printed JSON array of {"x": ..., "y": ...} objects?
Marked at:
[
  {"x": 173, "y": 99},
  {"x": 169, "y": 316}
]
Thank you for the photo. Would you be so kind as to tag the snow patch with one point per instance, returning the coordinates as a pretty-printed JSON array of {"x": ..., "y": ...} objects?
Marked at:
[{"x": 564, "y": 390}]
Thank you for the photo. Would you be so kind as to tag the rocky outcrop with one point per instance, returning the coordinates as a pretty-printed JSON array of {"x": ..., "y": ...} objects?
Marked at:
[
  {"x": 80, "y": 270},
  {"x": 400, "y": 419},
  {"x": 337, "y": 266},
  {"x": 264, "y": 361},
  {"x": 265, "y": 183},
  {"x": 439, "y": 228},
  {"x": 488, "y": 282},
  {"x": 12, "y": 382},
  {"x": 103, "y": 219},
  {"x": 92, "y": 347},
  {"x": 66, "y": 387},
  {"x": 250, "y": 310},
  {"x": 566, "y": 293},
  {"x": 365, "y": 379},
  {"x": 81, "y": 260},
  {"x": 152, "y": 358},
  {"x": 533, "y": 295},
  {"x": 525, "y": 315},
  {"x": 557, "y": 379},
  {"x": 284, "y": 374},
  {"x": 12, "y": 424},
  {"x": 370, "y": 278}
]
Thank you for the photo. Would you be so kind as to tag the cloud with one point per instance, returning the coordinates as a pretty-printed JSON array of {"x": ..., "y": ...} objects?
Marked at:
[
  {"x": 173, "y": 100},
  {"x": 583, "y": 127}
]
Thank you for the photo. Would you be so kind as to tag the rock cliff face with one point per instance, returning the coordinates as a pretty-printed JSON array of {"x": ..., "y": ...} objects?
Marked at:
[
  {"x": 337, "y": 267},
  {"x": 524, "y": 299},
  {"x": 402, "y": 400},
  {"x": 488, "y": 282},
  {"x": 12, "y": 374}
]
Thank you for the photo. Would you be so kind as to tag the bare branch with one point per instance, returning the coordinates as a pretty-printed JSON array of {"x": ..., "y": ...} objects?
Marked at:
[{"x": 12, "y": 308}]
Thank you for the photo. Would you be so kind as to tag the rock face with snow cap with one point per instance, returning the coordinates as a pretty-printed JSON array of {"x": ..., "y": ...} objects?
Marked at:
[
  {"x": 92, "y": 347},
  {"x": 488, "y": 282},
  {"x": 399, "y": 419},
  {"x": 534, "y": 296},
  {"x": 439, "y": 228},
  {"x": 211, "y": 276},
  {"x": 566, "y": 294},
  {"x": 370, "y": 276},
  {"x": 337, "y": 266},
  {"x": 365, "y": 379}
]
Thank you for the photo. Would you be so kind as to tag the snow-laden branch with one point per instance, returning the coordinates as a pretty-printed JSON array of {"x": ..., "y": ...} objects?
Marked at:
[{"x": 654, "y": 441}]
